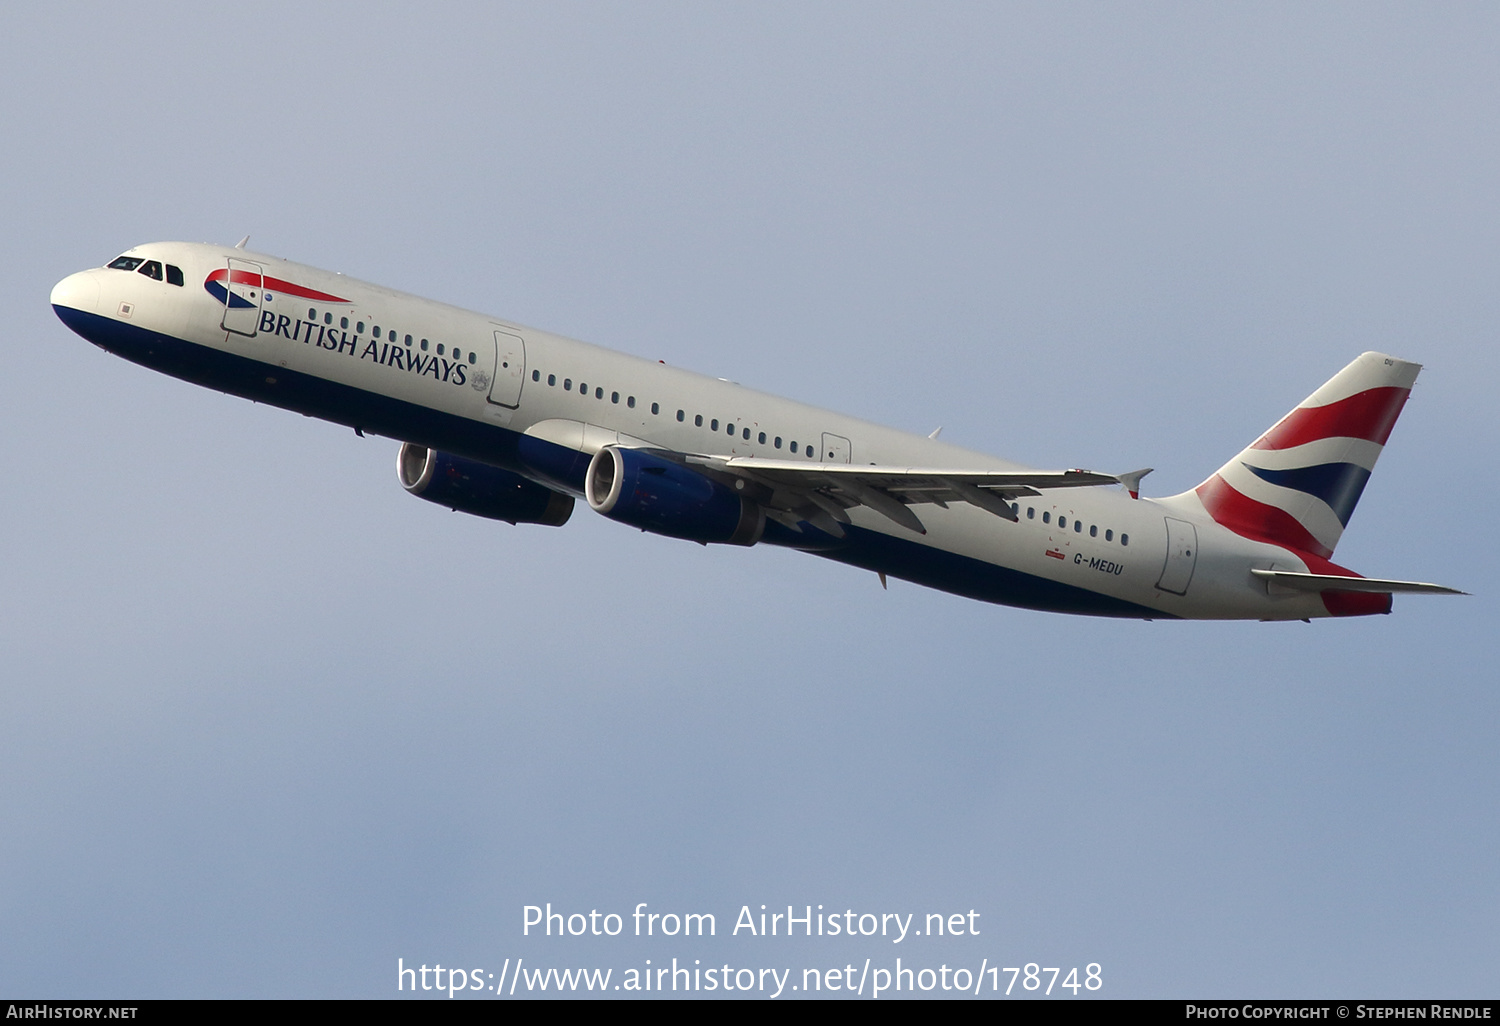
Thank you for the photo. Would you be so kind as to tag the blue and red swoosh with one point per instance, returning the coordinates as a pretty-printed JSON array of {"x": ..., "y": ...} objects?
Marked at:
[{"x": 215, "y": 284}]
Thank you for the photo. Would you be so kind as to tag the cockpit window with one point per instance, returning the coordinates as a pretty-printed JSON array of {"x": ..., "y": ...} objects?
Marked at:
[
  {"x": 174, "y": 274},
  {"x": 125, "y": 263},
  {"x": 151, "y": 269}
]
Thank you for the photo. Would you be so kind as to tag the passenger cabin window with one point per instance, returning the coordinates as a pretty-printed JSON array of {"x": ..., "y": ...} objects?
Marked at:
[
  {"x": 697, "y": 420},
  {"x": 1124, "y": 539},
  {"x": 793, "y": 447},
  {"x": 552, "y": 380},
  {"x": 151, "y": 269},
  {"x": 174, "y": 276},
  {"x": 424, "y": 341},
  {"x": 1109, "y": 535},
  {"x": 536, "y": 375},
  {"x": 312, "y": 315},
  {"x": 1046, "y": 517},
  {"x": 762, "y": 438},
  {"x": 126, "y": 263}
]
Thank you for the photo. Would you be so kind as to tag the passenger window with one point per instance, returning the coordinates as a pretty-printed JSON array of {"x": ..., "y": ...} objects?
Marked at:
[
  {"x": 598, "y": 393},
  {"x": 1078, "y": 527},
  {"x": 1046, "y": 517},
  {"x": 762, "y": 438},
  {"x": 536, "y": 375},
  {"x": 655, "y": 409},
  {"x": 408, "y": 340},
  {"x": 328, "y": 318},
  {"x": 1015, "y": 508},
  {"x": 697, "y": 420},
  {"x": 424, "y": 345},
  {"x": 808, "y": 449},
  {"x": 1109, "y": 535},
  {"x": 125, "y": 263},
  {"x": 730, "y": 431},
  {"x": 312, "y": 315},
  {"x": 777, "y": 443},
  {"x": 344, "y": 323},
  {"x": 1124, "y": 539},
  {"x": 376, "y": 333},
  {"x": 1030, "y": 512},
  {"x": 1093, "y": 530},
  {"x": 359, "y": 329},
  {"x": 583, "y": 389},
  {"x": 713, "y": 425},
  {"x": 552, "y": 380},
  {"x": 440, "y": 349},
  {"x": 614, "y": 397},
  {"x": 472, "y": 359},
  {"x": 567, "y": 384},
  {"x": 679, "y": 416},
  {"x": 793, "y": 447},
  {"x": 456, "y": 354},
  {"x": 1062, "y": 522},
  {"x": 151, "y": 269},
  {"x": 174, "y": 277},
  {"x": 630, "y": 402}
]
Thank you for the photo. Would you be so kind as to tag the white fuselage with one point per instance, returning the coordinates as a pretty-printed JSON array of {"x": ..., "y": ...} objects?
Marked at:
[{"x": 1092, "y": 550}]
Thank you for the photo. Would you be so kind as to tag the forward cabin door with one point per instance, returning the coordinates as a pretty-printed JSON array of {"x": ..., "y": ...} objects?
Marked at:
[
  {"x": 1182, "y": 557},
  {"x": 836, "y": 449},
  {"x": 510, "y": 370},
  {"x": 242, "y": 298}
]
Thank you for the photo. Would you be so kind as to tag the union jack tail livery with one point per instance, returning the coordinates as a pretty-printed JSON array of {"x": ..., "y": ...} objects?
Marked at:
[{"x": 1296, "y": 485}]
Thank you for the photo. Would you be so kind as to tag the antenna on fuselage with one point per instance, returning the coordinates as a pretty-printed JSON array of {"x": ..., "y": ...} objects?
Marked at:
[
  {"x": 241, "y": 243},
  {"x": 936, "y": 431}
]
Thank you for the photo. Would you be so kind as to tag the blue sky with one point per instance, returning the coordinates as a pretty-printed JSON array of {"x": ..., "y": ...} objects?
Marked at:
[{"x": 271, "y": 724}]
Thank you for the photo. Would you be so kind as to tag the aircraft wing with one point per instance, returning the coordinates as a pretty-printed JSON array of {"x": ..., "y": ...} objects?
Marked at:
[
  {"x": 1333, "y": 582},
  {"x": 821, "y": 493}
]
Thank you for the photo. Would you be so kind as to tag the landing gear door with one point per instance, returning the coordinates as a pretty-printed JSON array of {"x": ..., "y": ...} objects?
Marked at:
[
  {"x": 1182, "y": 557},
  {"x": 510, "y": 370},
  {"x": 242, "y": 298}
]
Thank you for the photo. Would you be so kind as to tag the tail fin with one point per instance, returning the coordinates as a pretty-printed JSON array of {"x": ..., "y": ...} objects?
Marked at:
[{"x": 1297, "y": 484}]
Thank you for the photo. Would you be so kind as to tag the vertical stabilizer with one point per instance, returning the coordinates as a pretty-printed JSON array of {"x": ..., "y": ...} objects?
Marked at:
[{"x": 1297, "y": 484}]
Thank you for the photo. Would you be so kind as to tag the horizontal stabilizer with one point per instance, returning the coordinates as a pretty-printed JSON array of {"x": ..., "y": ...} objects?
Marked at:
[{"x": 1333, "y": 582}]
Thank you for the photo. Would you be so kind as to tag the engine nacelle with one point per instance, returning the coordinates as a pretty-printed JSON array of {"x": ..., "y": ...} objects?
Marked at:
[
  {"x": 657, "y": 495},
  {"x": 485, "y": 491}
]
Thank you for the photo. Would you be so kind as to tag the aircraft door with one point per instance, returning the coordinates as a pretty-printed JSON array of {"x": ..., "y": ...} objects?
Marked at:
[
  {"x": 836, "y": 449},
  {"x": 510, "y": 370},
  {"x": 1182, "y": 557},
  {"x": 242, "y": 298}
]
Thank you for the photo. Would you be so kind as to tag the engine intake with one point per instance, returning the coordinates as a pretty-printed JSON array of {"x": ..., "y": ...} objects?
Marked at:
[
  {"x": 478, "y": 488},
  {"x": 657, "y": 495}
]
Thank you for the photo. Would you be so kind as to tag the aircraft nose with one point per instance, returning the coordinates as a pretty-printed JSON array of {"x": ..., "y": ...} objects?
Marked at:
[{"x": 77, "y": 292}]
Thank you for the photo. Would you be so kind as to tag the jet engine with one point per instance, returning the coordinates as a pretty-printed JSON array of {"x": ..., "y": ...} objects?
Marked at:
[
  {"x": 485, "y": 491},
  {"x": 638, "y": 488}
]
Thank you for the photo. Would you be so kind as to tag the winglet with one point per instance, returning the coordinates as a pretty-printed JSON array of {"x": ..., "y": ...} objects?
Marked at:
[{"x": 1132, "y": 481}]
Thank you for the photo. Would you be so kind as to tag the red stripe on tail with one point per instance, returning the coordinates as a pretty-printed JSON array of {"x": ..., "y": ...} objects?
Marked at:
[
  {"x": 1369, "y": 415},
  {"x": 1256, "y": 520}
]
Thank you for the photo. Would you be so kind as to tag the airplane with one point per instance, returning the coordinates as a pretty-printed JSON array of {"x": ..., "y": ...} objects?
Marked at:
[{"x": 507, "y": 422}]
